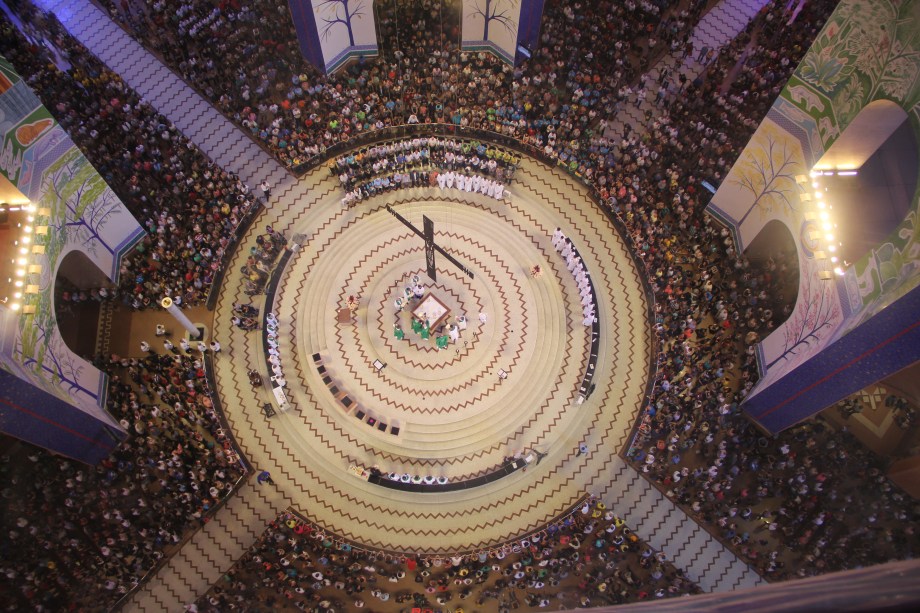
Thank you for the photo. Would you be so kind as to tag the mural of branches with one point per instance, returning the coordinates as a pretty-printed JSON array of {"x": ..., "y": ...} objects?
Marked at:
[
  {"x": 81, "y": 201},
  {"x": 804, "y": 329},
  {"x": 498, "y": 11},
  {"x": 770, "y": 177},
  {"x": 343, "y": 11}
]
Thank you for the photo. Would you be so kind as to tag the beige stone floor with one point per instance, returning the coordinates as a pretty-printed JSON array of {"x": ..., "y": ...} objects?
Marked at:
[{"x": 456, "y": 417}]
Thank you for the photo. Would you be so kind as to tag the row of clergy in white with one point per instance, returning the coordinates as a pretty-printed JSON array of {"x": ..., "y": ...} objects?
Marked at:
[
  {"x": 564, "y": 246},
  {"x": 274, "y": 352},
  {"x": 471, "y": 183}
]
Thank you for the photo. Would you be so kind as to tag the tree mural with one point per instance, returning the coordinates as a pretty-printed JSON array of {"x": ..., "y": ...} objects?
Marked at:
[
  {"x": 75, "y": 206},
  {"x": 769, "y": 174},
  {"x": 497, "y": 11},
  {"x": 83, "y": 202},
  {"x": 44, "y": 350},
  {"x": 342, "y": 14},
  {"x": 803, "y": 329}
]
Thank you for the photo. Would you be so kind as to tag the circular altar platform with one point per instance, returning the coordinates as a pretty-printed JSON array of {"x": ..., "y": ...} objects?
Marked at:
[{"x": 359, "y": 397}]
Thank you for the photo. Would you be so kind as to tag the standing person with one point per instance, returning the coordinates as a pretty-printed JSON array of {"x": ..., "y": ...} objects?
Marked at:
[
  {"x": 169, "y": 346},
  {"x": 145, "y": 347},
  {"x": 558, "y": 239},
  {"x": 215, "y": 347},
  {"x": 266, "y": 189}
]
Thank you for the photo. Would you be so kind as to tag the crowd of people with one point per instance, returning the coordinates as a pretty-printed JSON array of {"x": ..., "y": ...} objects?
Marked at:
[
  {"x": 189, "y": 207},
  {"x": 446, "y": 163},
  {"x": 774, "y": 500},
  {"x": 80, "y": 537},
  {"x": 589, "y": 558},
  {"x": 248, "y": 64}
]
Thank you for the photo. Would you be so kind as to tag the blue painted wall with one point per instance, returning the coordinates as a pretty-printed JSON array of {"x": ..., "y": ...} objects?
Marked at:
[
  {"x": 28, "y": 413},
  {"x": 307, "y": 32}
]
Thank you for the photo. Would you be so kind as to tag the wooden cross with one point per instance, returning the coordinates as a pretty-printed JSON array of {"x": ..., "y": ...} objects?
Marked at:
[{"x": 430, "y": 247}]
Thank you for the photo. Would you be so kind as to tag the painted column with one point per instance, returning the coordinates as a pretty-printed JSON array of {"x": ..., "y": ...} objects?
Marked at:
[
  {"x": 332, "y": 32},
  {"x": 852, "y": 325},
  {"x": 510, "y": 29},
  {"x": 49, "y": 395},
  {"x": 876, "y": 349}
]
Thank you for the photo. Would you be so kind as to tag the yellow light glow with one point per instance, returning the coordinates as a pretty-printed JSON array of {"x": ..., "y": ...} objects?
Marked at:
[
  {"x": 23, "y": 250},
  {"x": 832, "y": 248},
  {"x": 829, "y": 237},
  {"x": 15, "y": 306},
  {"x": 18, "y": 283},
  {"x": 26, "y": 239}
]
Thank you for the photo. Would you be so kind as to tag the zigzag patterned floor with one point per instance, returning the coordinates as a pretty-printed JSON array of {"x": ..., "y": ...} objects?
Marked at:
[
  {"x": 533, "y": 331},
  {"x": 456, "y": 417}
]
